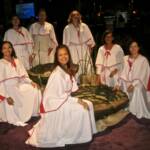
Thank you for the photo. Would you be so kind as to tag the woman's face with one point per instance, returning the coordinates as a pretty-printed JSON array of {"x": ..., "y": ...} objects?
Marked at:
[
  {"x": 75, "y": 18},
  {"x": 42, "y": 16},
  {"x": 108, "y": 38},
  {"x": 6, "y": 50},
  {"x": 134, "y": 48},
  {"x": 15, "y": 21},
  {"x": 63, "y": 56}
]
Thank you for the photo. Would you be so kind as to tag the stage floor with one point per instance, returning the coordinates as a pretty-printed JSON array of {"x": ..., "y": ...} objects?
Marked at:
[{"x": 129, "y": 134}]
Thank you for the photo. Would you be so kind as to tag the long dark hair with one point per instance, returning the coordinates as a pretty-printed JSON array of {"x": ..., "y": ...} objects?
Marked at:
[
  {"x": 13, "y": 54},
  {"x": 69, "y": 69}
]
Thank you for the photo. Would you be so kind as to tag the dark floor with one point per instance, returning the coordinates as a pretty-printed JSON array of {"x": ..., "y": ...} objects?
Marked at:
[{"x": 130, "y": 134}]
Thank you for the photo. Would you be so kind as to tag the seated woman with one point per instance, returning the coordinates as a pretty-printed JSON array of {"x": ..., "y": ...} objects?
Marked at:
[
  {"x": 109, "y": 61},
  {"x": 134, "y": 81},
  {"x": 64, "y": 119},
  {"x": 15, "y": 84}
]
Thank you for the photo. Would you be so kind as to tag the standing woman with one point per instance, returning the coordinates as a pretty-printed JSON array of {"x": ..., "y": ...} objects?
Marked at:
[
  {"x": 44, "y": 40},
  {"x": 109, "y": 61},
  {"x": 77, "y": 36},
  {"x": 134, "y": 81},
  {"x": 21, "y": 40},
  {"x": 15, "y": 84},
  {"x": 64, "y": 119}
]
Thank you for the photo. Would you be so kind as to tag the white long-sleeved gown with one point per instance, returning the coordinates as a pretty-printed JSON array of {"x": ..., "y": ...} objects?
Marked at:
[
  {"x": 107, "y": 61},
  {"x": 22, "y": 43},
  {"x": 64, "y": 121},
  {"x": 15, "y": 83},
  {"x": 78, "y": 41},
  {"x": 44, "y": 38},
  {"x": 136, "y": 72}
]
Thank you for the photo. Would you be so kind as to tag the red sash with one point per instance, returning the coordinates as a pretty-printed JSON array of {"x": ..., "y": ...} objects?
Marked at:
[{"x": 148, "y": 86}]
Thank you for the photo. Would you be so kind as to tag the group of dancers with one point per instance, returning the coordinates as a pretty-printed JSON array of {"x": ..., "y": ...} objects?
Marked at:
[{"x": 63, "y": 118}]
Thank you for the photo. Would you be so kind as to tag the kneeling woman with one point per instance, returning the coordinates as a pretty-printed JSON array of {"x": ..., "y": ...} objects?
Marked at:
[
  {"x": 134, "y": 81},
  {"x": 64, "y": 119},
  {"x": 16, "y": 86}
]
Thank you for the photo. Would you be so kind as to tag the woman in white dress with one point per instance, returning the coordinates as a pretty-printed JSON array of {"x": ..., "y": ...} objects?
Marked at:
[
  {"x": 78, "y": 37},
  {"x": 15, "y": 84},
  {"x": 109, "y": 61},
  {"x": 64, "y": 119},
  {"x": 22, "y": 42},
  {"x": 134, "y": 81},
  {"x": 44, "y": 38}
]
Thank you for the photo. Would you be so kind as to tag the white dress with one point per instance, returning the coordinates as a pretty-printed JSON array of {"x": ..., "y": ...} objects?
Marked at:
[
  {"x": 22, "y": 43},
  {"x": 107, "y": 61},
  {"x": 15, "y": 83},
  {"x": 137, "y": 73},
  {"x": 78, "y": 40},
  {"x": 44, "y": 38},
  {"x": 63, "y": 120}
]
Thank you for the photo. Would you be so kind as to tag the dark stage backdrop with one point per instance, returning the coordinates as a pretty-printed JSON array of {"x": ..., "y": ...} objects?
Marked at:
[{"x": 95, "y": 13}]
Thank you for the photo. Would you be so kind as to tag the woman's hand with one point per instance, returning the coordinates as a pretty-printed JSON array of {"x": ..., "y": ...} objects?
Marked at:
[
  {"x": 35, "y": 85},
  {"x": 33, "y": 56},
  {"x": 98, "y": 79},
  {"x": 90, "y": 48},
  {"x": 130, "y": 88},
  {"x": 10, "y": 101},
  {"x": 113, "y": 73},
  {"x": 30, "y": 60},
  {"x": 116, "y": 88},
  {"x": 49, "y": 51},
  {"x": 84, "y": 104}
]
